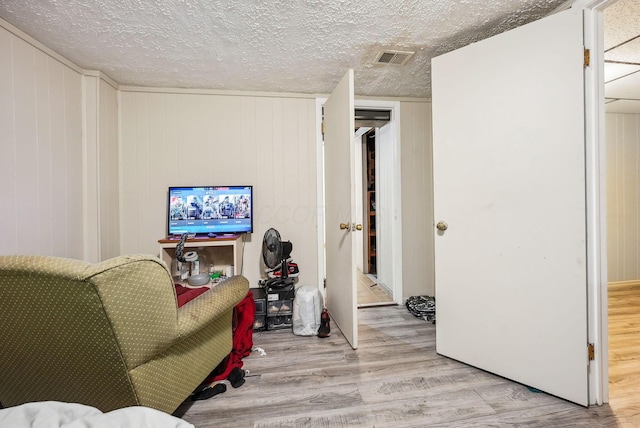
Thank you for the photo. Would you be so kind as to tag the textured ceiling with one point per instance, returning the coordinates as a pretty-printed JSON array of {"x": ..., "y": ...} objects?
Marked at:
[
  {"x": 301, "y": 46},
  {"x": 622, "y": 56}
]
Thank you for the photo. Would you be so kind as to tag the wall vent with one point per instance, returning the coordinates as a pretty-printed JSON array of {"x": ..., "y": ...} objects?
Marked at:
[{"x": 388, "y": 57}]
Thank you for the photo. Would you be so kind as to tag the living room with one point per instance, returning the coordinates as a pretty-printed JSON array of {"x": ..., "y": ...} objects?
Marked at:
[{"x": 90, "y": 159}]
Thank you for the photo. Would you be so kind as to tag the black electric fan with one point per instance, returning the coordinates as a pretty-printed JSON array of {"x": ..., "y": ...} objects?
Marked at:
[{"x": 275, "y": 253}]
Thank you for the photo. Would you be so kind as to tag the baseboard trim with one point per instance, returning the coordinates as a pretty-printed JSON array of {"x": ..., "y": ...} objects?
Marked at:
[{"x": 624, "y": 283}]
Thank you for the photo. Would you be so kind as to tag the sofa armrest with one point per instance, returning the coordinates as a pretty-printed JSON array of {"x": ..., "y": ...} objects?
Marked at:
[{"x": 208, "y": 306}]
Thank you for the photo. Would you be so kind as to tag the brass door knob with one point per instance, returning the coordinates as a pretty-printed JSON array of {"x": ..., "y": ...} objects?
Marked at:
[
  {"x": 358, "y": 227},
  {"x": 345, "y": 226},
  {"x": 442, "y": 226}
]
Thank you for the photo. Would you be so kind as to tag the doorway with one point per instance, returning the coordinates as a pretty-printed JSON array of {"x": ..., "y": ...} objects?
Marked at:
[
  {"x": 371, "y": 291},
  {"x": 622, "y": 141},
  {"x": 389, "y": 133}
]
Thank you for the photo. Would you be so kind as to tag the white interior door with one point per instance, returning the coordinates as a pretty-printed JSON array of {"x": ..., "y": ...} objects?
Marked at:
[
  {"x": 340, "y": 202},
  {"x": 509, "y": 177}
]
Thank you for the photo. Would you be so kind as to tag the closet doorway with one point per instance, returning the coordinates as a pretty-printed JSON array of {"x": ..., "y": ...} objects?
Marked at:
[
  {"x": 388, "y": 206},
  {"x": 372, "y": 290}
]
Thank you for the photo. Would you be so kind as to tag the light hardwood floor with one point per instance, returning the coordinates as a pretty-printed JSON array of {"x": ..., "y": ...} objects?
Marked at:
[
  {"x": 370, "y": 293},
  {"x": 395, "y": 379},
  {"x": 624, "y": 347}
]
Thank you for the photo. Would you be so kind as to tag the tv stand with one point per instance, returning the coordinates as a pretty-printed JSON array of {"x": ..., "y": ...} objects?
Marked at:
[{"x": 222, "y": 251}]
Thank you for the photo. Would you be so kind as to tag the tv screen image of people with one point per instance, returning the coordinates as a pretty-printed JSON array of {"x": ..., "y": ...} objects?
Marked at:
[{"x": 210, "y": 210}]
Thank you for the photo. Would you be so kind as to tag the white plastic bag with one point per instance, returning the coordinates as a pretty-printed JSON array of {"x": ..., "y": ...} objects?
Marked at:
[{"x": 307, "y": 307}]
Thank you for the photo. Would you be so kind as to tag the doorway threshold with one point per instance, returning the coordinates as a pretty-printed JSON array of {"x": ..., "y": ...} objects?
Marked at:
[{"x": 375, "y": 304}]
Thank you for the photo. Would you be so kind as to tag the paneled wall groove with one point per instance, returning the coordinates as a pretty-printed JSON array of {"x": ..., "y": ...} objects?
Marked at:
[
  {"x": 47, "y": 177},
  {"x": 170, "y": 139},
  {"x": 144, "y": 139},
  {"x": 41, "y": 119},
  {"x": 623, "y": 196}
]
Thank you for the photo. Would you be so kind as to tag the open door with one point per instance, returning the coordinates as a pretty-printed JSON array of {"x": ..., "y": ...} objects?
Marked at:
[
  {"x": 509, "y": 194},
  {"x": 339, "y": 176}
]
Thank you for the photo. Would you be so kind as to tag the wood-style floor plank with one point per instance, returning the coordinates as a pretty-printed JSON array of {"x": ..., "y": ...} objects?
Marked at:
[
  {"x": 624, "y": 351},
  {"x": 395, "y": 379}
]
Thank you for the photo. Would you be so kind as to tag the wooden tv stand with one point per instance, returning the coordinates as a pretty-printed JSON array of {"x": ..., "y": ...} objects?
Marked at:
[{"x": 223, "y": 251}]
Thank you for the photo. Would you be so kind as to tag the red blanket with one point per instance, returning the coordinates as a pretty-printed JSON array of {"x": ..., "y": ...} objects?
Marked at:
[
  {"x": 243, "y": 317},
  {"x": 186, "y": 294}
]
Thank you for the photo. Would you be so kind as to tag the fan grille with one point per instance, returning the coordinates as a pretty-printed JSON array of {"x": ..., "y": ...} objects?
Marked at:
[{"x": 271, "y": 248}]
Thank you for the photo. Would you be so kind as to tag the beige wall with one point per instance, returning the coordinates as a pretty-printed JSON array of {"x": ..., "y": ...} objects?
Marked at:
[
  {"x": 270, "y": 142},
  {"x": 91, "y": 187},
  {"x": 417, "y": 200},
  {"x": 108, "y": 172},
  {"x": 59, "y": 145},
  {"x": 623, "y": 196},
  {"x": 170, "y": 139},
  {"x": 41, "y": 166}
]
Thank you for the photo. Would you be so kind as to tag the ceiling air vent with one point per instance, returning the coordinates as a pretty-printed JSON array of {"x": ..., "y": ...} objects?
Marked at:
[{"x": 393, "y": 57}]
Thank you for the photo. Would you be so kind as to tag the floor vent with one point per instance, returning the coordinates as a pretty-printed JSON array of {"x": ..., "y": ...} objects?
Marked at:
[{"x": 388, "y": 57}]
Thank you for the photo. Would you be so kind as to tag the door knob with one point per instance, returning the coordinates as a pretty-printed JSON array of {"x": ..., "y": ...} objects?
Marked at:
[
  {"x": 442, "y": 226},
  {"x": 345, "y": 226},
  {"x": 358, "y": 227}
]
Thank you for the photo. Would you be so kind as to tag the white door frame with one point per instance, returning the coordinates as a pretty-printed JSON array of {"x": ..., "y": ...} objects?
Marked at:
[
  {"x": 596, "y": 198},
  {"x": 394, "y": 123}
]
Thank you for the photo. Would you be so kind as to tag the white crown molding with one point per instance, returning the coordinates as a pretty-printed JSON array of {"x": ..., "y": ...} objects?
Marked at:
[
  {"x": 101, "y": 75},
  {"x": 198, "y": 91}
]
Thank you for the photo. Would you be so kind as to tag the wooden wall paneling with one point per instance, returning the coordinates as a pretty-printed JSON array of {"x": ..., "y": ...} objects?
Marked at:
[
  {"x": 109, "y": 172},
  {"x": 186, "y": 122},
  {"x": 248, "y": 140},
  {"x": 619, "y": 198},
  {"x": 26, "y": 147},
  {"x": 74, "y": 150},
  {"x": 265, "y": 141},
  {"x": 8, "y": 229},
  {"x": 247, "y": 162},
  {"x": 58, "y": 158},
  {"x": 277, "y": 170},
  {"x": 310, "y": 211},
  {"x": 417, "y": 199},
  {"x": 613, "y": 270},
  {"x": 156, "y": 203},
  {"x": 172, "y": 161},
  {"x": 631, "y": 146},
  {"x": 142, "y": 180},
  {"x": 46, "y": 199},
  {"x": 209, "y": 151},
  {"x": 128, "y": 173},
  {"x": 305, "y": 213},
  {"x": 623, "y": 196},
  {"x": 90, "y": 179},
  {"x": 264, "y": 210},
  {"x": 298, "y": 186},
  {"x": 224, "y": 144},
  {"x": 199, "y": 154},
  {"x": 263, "y": 190},
  {"x": 44, "y": 144}
]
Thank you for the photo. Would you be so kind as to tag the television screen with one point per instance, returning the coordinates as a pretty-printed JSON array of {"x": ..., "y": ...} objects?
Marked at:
[{"x": 210, "y": 209}]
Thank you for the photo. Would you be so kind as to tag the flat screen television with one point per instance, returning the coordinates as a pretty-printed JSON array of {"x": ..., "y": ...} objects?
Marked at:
[{"x": 207, "y": 210}]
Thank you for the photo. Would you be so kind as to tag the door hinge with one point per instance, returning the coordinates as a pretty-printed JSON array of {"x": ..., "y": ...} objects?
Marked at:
[
  {"x": 587, "y": 58},
  {"x": 591, "y": 351}
]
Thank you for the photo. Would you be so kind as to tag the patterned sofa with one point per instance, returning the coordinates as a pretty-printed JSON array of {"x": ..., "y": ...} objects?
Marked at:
[{"x": 108, "y": 335}]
